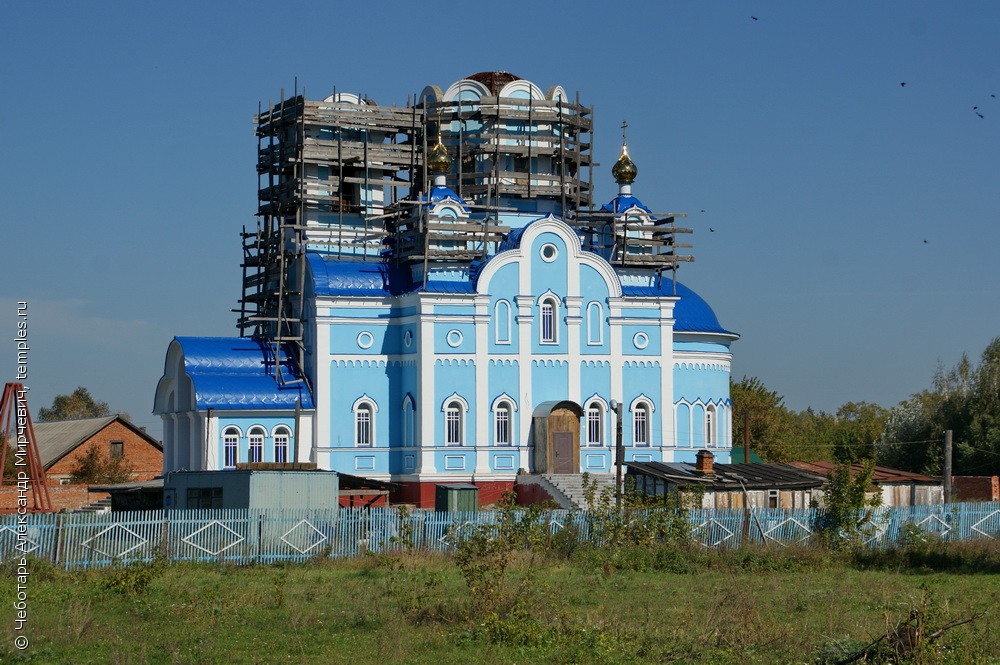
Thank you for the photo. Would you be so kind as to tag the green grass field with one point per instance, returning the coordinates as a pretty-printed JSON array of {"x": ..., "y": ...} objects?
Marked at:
[{"x": 683, "y": 606}]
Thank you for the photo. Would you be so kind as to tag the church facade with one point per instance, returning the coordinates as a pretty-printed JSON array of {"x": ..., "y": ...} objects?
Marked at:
[{"x": 438, "y": 353}]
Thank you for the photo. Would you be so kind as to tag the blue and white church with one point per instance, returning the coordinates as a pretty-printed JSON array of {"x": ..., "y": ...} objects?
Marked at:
[{"x": 432, "y": 296}]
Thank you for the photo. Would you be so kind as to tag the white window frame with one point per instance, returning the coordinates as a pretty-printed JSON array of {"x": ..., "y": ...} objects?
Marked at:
[
  {"x": 282, "y": 440},
  {"x": 256, "y": 431},
  {"x": 364, "y": 409},
  {"x": 502, "y": 424},
  {"x": 645, "y": 405},
  {"x": 592, "y": 339},
  {"x": 230, "y": 441},
  {"x": 501, "y": 334},
  {"x": 409, "y": 413},
  {"x": 454, "y": 409},
  {"x": 453, "y": 425},
  {"x": 595, "y": 406},
  {"x": 711, "y": 427},
  {"x": 550, "y": 326}
]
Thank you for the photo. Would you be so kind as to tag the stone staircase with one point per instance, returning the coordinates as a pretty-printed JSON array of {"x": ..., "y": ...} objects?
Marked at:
[
  {"x": 567, "y": 489},
  {"x": 102, "y": 506}
]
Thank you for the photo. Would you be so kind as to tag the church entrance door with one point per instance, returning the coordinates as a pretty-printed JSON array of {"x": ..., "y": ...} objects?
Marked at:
[
  {"x": 564, "y": 433},
  {"x": 562, "y": 452}
]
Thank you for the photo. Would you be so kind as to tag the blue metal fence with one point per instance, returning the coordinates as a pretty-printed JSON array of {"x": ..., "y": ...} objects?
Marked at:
[{"x": 84, "y": 540}]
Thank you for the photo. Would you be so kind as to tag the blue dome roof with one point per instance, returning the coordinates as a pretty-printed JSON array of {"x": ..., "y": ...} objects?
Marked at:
[{"x": 691, "y": 313}]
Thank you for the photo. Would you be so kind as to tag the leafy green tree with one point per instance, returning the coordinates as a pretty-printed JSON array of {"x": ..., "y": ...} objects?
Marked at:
[
  {"x": 95, "y": 466},
  {"x": 76, "y": 405},
  {"x": 965, "y": 400},
  {"x": 847, "y": 519},
  {"x": 858, "y": 427},
  {"x": 766, "y": 416}
]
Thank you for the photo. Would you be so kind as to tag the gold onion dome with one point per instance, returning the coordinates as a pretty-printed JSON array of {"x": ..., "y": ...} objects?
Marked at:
[
  {"x": 624, "y": 169},
  {"x": 438, "y": 159}
]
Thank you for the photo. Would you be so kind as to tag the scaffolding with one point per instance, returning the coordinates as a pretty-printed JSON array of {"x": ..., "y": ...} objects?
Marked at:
[
  {"x": 347, "y": 178},
  {"x": 324, "y": 169},
  {"x": 506, "y": 147},
  {"x": 631, "y": 239}
]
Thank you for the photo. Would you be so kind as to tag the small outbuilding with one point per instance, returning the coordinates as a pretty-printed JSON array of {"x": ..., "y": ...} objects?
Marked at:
[
  {"x": 730, "y": 485},
  {"x": 898, "y": 488},
  {"x": 251, "y": 488}
]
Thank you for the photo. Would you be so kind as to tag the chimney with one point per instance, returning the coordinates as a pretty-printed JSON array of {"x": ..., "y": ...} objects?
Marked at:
[{"x": 703, "y": 465}]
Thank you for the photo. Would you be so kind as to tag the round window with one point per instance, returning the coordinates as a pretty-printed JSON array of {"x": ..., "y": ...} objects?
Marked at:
[
  {"x": 365, "y": 339},
  {"x": 454, "y": 338},
  {"x": 549, "y": 252},
  {"x": 641, "y": 340},
  {"x": 407, "y": 339}
]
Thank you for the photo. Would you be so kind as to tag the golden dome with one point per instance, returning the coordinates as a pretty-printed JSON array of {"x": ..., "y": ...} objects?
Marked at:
[
  {"x": 624, "y": 169},
  {"x": 438, "y": 159}
]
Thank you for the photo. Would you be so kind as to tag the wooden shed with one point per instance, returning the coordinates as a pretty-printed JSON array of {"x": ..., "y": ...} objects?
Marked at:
[
  {"x": 731, "y": 485},
  {"x": 898, "y": 488}
]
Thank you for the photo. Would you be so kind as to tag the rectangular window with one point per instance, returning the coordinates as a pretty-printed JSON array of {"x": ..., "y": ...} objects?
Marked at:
[
  {"x": 256, "y": 447},
  {"x": 204, "y": 497},
  {"x": 453, "y": 427},
  {"x": 502, "y": 427},
  {"x": 281, "y": 448},
  {"x": 231, "y": 443},
  {"x": 640, "y": 421},
  {"x": 594, "y": 433},
  {"x": 117, "y": 449},
  {"x": 772, "y": 498},
  {"x": 364, "y": 421}
]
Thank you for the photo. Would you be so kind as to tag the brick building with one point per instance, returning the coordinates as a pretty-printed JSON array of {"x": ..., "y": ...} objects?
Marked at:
[{"x": 61, "y": 444}]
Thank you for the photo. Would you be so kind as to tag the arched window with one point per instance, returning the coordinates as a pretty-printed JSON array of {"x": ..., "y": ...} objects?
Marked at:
[
  {"x": 408, "y": 437},
  {"x": 640, "y": 424},
  {"x": 363, "y": 426},
  {"x": 595, "y": 424},
  {"x": 453, "y": 429},
  {"x": 231, "y": 447},
  {"x": 548, "y": 331},
  {"x": 595, "y": 323},
  {"x": 501, "y": 322},
  {"x": 710, "y": 426},
  {"x": 364, "y": 421},
  {"x": 501, "y": 425},
  {"x": 256, "y": 447},
  {"x": 281, "y": 437}
]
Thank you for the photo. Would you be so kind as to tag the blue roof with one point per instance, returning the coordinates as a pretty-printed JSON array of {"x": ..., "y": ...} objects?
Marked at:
[
  {"x": 339, "y": 277},
  {"x": 233, "y": 373},
  {"x": 623, "y": 203},
  {"x": 691, "y": 313}
]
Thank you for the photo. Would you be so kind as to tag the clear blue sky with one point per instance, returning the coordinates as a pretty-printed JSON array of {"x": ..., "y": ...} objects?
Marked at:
[{"x": 128, "y": 165}]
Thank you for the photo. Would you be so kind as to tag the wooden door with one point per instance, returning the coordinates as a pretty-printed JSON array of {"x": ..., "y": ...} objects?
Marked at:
[{"x": 562, "y": 452}]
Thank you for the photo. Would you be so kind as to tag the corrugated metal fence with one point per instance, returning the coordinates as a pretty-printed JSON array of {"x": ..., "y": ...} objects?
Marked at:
[{"x": 84, "y": 540}]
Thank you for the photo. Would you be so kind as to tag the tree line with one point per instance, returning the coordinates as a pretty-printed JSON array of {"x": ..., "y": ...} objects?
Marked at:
[{"x": 908, "y": 436}]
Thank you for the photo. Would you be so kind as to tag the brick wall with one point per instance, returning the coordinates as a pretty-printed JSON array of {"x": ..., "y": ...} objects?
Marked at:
[
  {"x": 976, "y": 488},
  {"x": 63, "y": 497},
  {"x": 145, "y": 458}
]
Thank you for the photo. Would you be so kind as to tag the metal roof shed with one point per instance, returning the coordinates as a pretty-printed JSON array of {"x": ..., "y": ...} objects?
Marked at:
[{"x": 251, "y": 488}]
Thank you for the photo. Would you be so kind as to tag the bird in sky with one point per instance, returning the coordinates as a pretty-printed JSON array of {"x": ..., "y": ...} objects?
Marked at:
[
  {"x": 711, "y": 230},
  {"x": 981, "y": 116},
  {"x": 902, "y": 84},
  {"x": 993, "y": 96},
  {"x": 754, "y": 18},
  {"x": 925, "y": 241}
]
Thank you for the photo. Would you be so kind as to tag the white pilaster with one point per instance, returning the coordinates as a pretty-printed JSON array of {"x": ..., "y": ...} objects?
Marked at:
[{"x": 426, "y": 407}]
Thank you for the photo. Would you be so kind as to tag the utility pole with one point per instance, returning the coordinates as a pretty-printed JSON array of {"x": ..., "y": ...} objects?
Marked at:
[
  {"x": 746, "y": 437},
  {"x": 947, "y": 466},
  {"x": 616, "y": 406}
]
